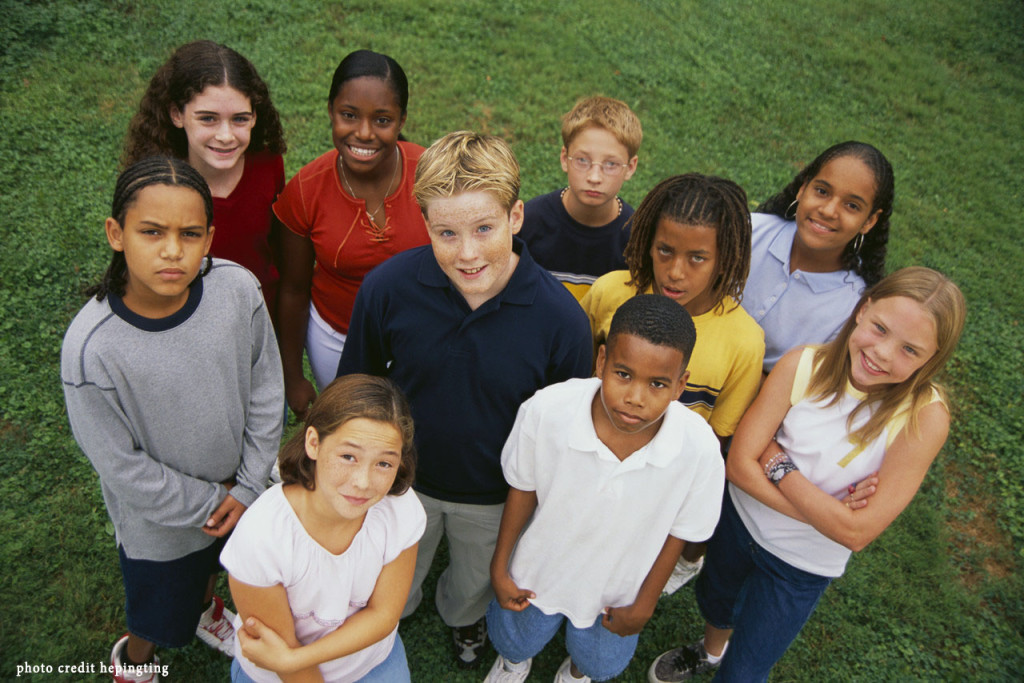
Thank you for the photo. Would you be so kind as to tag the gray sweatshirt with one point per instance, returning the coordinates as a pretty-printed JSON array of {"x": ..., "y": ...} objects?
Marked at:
[{"x": 165, "y": 409}]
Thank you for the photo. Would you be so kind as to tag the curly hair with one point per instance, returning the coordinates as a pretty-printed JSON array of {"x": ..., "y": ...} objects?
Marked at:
[
  {"x": 869, "y": 263},
  {"x": 695, "y": 199},
  {"x": 187, "y": 73},
  {"x": 157, "y": 170},
  {"x": 656, "y": 319}
]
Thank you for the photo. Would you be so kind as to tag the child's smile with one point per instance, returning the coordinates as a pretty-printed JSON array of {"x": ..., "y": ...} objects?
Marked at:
[
  {"x": 894, "y": 338},
  {"x": 218, "y": 123},
  {"x": 365, "y": 122},
  {"x": 356, "y": 466},
  {"x": 471, "y": 235},
  {"x": 834, "y": 207}
]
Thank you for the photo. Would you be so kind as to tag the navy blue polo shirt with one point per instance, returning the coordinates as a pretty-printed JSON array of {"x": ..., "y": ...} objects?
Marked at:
[{"x": 464, "y": 372}]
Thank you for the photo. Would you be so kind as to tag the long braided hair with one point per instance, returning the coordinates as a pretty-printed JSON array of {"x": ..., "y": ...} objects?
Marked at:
[
  {"x": 870, "y": 262},
  {"x": 695, "y": 199},
  {"x": 142, "y": 174}
]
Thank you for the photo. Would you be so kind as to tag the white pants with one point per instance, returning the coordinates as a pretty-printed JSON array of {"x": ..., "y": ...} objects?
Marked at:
[{"x": 323, "y": 346}]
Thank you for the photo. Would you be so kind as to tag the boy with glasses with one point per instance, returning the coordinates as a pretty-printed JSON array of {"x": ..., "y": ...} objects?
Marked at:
[{"x": 578, "y": 233}]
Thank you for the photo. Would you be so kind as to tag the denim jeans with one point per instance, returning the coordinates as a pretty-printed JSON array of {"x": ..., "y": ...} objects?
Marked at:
[
  {"x": 746, "y": 588},
  {"x": 394, "y": 669},
  {"x": 595, "y": 650}
]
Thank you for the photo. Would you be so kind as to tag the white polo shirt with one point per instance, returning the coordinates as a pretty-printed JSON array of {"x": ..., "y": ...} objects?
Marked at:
[{"x": 601, "y": 522}]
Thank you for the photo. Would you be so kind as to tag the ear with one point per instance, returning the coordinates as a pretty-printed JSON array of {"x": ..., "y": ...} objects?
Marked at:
[
  {"x": 312, "y": 443},
  {"x": 681, "y": 384},
  {"x": 630, "y": 168},
  {"x": 115, "y": 234},
  {"x": 564, "y": 159},
  {"x": 515, "y": 216},
  {"x": 209, "y": 240},
  {"x": 602, "y": 356},
  {"x": 860, "y": 311},
  {"x": 870, "y": 222},
  {"x": 177, "y": 118},
  {"x": 800, "y": 192},
  {"x": 401, "y": 123}
]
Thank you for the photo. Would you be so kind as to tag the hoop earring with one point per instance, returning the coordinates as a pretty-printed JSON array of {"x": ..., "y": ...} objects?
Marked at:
[
  {"x": 858, "y": 241},
  {"x": 785, "y": 214}
]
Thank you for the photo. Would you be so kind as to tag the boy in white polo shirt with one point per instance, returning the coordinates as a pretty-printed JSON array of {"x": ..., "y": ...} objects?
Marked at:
[{"x": 610, "y": 476}]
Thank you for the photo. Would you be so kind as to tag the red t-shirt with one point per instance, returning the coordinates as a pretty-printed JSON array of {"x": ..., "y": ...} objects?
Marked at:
[
  {"x": 242, "y": 219},
  {"x": 314, "y": 204}
]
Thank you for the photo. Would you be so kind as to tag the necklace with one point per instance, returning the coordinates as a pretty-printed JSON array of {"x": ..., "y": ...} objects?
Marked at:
[
  {"x": 617, "y": 201},
  {"x": 375, "y": 231}
]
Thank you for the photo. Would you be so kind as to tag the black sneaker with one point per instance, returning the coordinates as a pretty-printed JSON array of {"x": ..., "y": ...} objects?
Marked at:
[
  {"x": 469, "y": 643},
  {"x": 681, "y": 664}
]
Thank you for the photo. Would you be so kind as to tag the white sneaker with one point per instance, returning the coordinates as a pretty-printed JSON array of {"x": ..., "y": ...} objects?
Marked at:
[
  {"x": 564, "y": 674},
  {"x": 504, "y": 671},
  {"x": 216, "y": 627},
  {"x": 144, "y": 673},
  {"x": 681, "y": 574}
]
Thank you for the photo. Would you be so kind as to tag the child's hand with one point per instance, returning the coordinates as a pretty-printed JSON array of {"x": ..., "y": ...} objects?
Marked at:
[
  {"x": 262, "y": 646},
  {"x": 858, "y": 495},
  {"x": 224, "y": 518},
  {"x": 509, "y": 595},
  {"x": 625, "y": 621},
  {"x": 300, "y": 394}
]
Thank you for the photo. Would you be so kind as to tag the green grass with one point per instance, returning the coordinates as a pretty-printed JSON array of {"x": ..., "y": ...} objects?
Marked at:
[{"x": 749, "y": 90}]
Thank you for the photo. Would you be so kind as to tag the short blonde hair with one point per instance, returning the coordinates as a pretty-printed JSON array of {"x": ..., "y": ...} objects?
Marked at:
[
  {"x": 464, "y": 161},
  {"x": 613, "y": 115}
]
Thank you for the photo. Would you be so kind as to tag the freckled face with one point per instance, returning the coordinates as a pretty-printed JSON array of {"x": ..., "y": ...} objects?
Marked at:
[
  {"x": 471, "y": 235},
  {"x": 638, "y": 382},
  {"x": 218, "y": 123},
  {"x": 685, "y": 260},
  {"x": 835, "y": 206},
  {"x": 164, "y": 239},
  {"x": 356, "y": 465},
  {"x": 595, "y": 187},
  {"x": 893, "y": 339}
]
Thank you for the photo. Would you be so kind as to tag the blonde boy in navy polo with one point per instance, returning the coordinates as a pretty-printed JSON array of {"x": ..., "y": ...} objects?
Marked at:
[{"x": 469, "y": 328}]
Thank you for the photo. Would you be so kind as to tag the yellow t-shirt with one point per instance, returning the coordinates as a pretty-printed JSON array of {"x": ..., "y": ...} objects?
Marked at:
[{"x": 725, "y": 369}]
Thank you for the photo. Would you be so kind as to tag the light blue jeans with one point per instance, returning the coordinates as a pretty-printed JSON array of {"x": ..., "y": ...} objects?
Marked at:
[
  {"x": 595, "y": 650},
  {"x": 394, "y": 669}
]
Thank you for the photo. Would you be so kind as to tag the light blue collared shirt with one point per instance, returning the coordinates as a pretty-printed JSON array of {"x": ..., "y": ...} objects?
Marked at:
[{"x": 793, "y": 308}]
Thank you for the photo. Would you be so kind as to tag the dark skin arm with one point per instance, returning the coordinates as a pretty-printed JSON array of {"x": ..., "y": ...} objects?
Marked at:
[
  {"x": 297, "y": 259},
  {"x": 518, "y": 508},
  {"x": 630, "y": 619}
]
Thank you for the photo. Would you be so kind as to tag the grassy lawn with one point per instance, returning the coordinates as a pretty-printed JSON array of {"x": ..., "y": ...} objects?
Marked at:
[{"x": 749, "y": 90}]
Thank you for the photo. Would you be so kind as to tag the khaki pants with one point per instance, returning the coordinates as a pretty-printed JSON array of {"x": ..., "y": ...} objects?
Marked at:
[{"x": 464, "y": 588}]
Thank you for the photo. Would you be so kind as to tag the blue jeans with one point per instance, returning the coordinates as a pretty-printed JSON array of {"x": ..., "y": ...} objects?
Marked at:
[
  {"x": 595, "y": 650},
  {"x": 394, "y": 669},
  {"x": 746, "y": 588}
]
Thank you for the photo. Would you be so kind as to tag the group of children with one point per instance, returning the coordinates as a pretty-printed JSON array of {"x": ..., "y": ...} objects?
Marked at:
[{"x": 575, "y": 372}]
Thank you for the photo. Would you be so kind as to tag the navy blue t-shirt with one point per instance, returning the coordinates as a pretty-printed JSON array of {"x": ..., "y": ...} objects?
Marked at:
[{"x": 464, "y": 372}]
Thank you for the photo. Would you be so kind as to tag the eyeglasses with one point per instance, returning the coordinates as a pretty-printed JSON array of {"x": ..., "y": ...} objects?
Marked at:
[{"x": 609, "y": 168}]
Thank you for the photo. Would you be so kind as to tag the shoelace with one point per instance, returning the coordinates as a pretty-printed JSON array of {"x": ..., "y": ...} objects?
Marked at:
[{"x": 221, "y": 628}]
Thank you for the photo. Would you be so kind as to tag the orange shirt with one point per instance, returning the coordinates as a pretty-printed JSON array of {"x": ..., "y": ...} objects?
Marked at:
[{"x": 314, "y": 204}]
